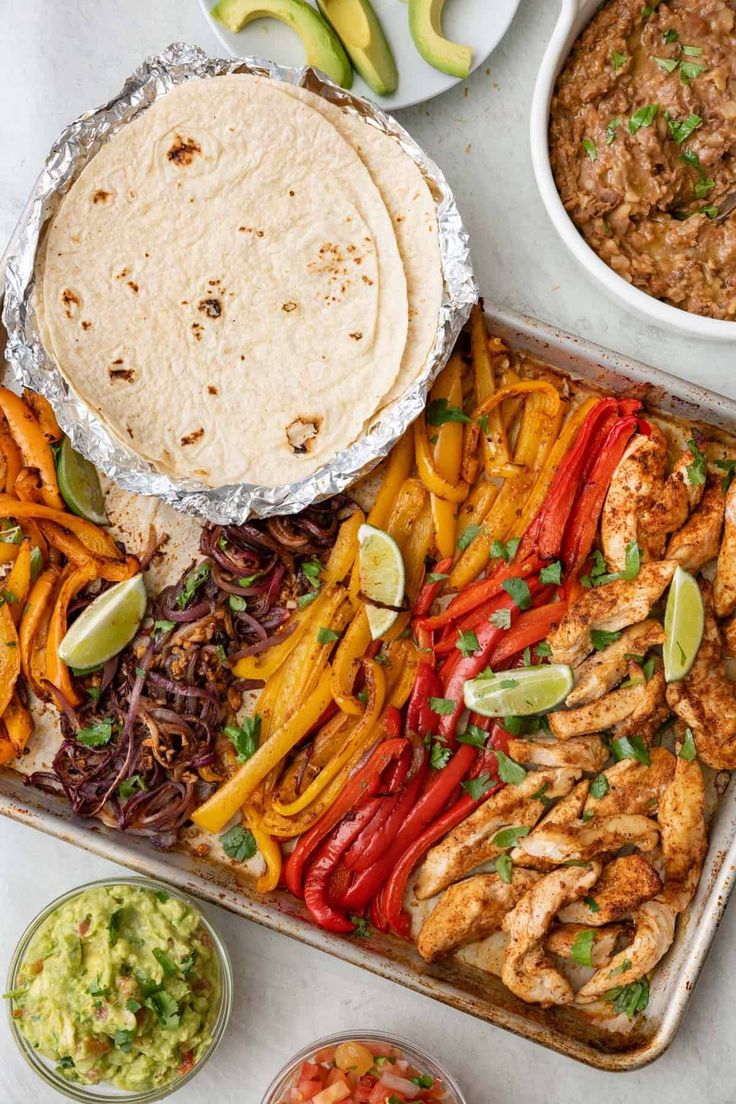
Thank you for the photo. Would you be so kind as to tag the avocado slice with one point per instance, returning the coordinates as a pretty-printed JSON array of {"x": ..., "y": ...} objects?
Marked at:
[
  {"x": 359, "y": 29},
  {"x": 321, "y": 44},
  {"x": 425, "y": 25}
]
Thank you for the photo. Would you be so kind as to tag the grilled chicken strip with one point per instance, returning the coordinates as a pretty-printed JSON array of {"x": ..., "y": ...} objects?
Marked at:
[
  {"x": 724, "y": 588},
  {"x": 634, "y": 484},
  {"x": 562, "y": 812},
  {"x": 526, "y": 971},
  {"x": 698, "y": 541},
  {"x": 655, "y": 930},
  {"x": 670, "y": 509},
  {"x": 470, "y": 910},
  {"x": 683, "y": 833},
  {"x": 587, "y": 752},
  {"x": 603, "y": 670},
  {"x": 579, "y": 841},
  {"x": 561, "y": 941},
  {"x": 729, "y": 636},
  {"x": 471, "y": 843},
  {"x": 613, "y": 709},
  {"x": 705, "y": 700},
  {"x": 633, "y": 787},
  {"x": 625, "y": 884},
  {"x": 650, "y": 713},
  {"x": 611, "y": 607}
]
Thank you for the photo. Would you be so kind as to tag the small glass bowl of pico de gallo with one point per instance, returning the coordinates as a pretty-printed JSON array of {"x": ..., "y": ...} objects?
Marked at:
[{"x": 363, "y": 1067}]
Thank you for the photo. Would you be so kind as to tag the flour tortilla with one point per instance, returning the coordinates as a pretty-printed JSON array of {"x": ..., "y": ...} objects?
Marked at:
[
  {"x": 223, "y": 285},
  {"x": 413, "y": 213}
]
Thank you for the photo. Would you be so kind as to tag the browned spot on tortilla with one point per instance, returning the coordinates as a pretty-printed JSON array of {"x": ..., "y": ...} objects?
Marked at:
[
  {"x": 130, "y": 432},
  {"x": 86, "y": 324},
  {"x": 250, "y": 230},
  {"x": 356, "y": 336},
  {"x": 212, "y": 390},
  {"x": 71, "y": 301},
  {"x": 367, "y": 280},
  {"x": 123, "y": 274},
  {"x": 301, "y": 433},
  {"x": 133, "y": 286},
  {"x": 291, "y": 193},
  {"x": 210, "y": 307},
  {"x": 214, "y": 283},
  {"x": 289, "y": 307},
  {"x": 197, "y": 330},
  {"x": 193, "y": 437},
  {"x": 125, "y": 374},
  {"x": 183, "y": 150},
  {"x": 118, "y": 360},
  {"x": 101, "y": 196}
]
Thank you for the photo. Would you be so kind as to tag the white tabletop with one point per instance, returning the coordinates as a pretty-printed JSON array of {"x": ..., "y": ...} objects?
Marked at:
[{"x": 58, "y": 58}]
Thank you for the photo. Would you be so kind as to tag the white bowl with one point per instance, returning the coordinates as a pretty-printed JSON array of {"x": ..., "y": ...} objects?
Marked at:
[{"x": 574, "y": 15}]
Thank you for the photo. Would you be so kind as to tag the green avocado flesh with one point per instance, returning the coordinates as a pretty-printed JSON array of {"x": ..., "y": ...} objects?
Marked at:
[
  {"x": 425, "y": 25},
  {"x": 321, "y": 44},
  {"x": 120, "y": 984},
  {"x": 359, "y": 29}
]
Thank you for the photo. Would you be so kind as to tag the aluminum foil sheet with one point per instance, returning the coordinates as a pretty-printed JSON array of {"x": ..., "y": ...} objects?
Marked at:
[{"x": 32, "y": 367}]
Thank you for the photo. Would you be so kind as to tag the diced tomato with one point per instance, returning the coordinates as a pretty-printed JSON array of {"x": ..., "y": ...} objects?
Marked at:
[
  {"x": 362, "y": 1094},
  {"x": 337, "y": 1077},
  {"x": 332, "y": 1095},
  {"x": 380, "y": 1094},
  {"x": 383, "y": 1049},
  {"x": 187, "y": 1061},
  {"x": 310, "y": 1071},
  {"x": 326, "y": 1056},
  {"x": 308, "y": 1089}
]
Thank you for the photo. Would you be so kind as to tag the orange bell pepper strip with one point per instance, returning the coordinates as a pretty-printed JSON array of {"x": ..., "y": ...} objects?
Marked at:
[
  {"x": 398, "y": 468},
  {"x": 97, "y": 540},
  {"x": 269, "y": 848},
  {"x": 34, "y": 619},
  {"x": 11, "y": 455},
  {"x": 77, "y": 553},
  {"x": 346, "y": 661},
  {"x": 28, "y": 489},
  {"x": 18, "y": 724},
  {"x": 57, "y": 673},
  {"x": 9, "y": 657},
  {"x": 495, "y": 441},
  {"x": 34, "y": 447},
  {"x": 435, "y": 483},
  {"x": 8, "y": 550},
  {"x": 18, "y": 582},
  {"x": 45, "y": 416},
  {"x": 448, "y": 453}
]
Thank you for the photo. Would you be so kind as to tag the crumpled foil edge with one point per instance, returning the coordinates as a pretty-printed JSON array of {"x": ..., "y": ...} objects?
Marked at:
[{"x": 31, "y": 366}]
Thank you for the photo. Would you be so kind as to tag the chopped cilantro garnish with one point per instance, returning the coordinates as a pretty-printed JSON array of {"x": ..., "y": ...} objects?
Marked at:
[
  {"x": 246, "y": 737},
  {"x": 508, "y": 837},
  {"x": 600, "y": 638},
  {"x": 467, "y": 642},
  {"x": 643, "y": 117},
  {"x": 505, "y": 550},
  {"x": 442, "y": 706},
  {"x": 688, "y": 751},
  {"x": 439, "y": 412},
  {"x": 192, "y": 582},
  {"x": 630, "y": 747},
  {"x": 518, "y": 592},
  {"x": 581, "y": 950},
  {"x": 468, "y": 536},
  {"x": 501, "y": 618},
  {"x": 599, "y": 787},
  {"x": 239, "y": 843},
  {"x": 509, "y": 771},
  {"x": 504, "y": 867},
  {"x": 97, "y": 735},
  {"x": 478, "y": 787},
  {"x": 552, "y": 573},
  {"x": 589, "y": 146}
]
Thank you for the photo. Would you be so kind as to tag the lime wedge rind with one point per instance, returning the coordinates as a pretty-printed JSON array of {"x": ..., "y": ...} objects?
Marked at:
[
  {"x": 684, "y": 622},
  {"x": 79, "y": 484},
  {"x": 521, "y": 692},
  {"x": 105, "y": 627},
  {"x": 382, "y": 578}
]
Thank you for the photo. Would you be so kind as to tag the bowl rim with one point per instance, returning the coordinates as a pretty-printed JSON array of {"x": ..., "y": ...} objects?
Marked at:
[
  {"x": 573, "y": 17},
  {"x": 278, "y": 1084},
  {"x": 88, "y": 1094}
]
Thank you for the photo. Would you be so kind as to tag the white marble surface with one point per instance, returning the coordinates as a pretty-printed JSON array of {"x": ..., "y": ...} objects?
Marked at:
[{"x": 58, "y": 57}]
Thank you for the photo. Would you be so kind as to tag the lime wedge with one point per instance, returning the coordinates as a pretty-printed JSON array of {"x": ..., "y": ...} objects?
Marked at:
[
  {"x": 79, "y": 484},
  {"x": 521, "y": 692},
  {"x": 106, "y": 626},
  {"x": 683, "y": 625},
  {"x": 382, "y": 580}
]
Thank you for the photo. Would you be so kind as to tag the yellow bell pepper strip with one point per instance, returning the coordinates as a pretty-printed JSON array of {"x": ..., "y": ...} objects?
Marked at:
[
  {"x": 306, "y": 764},
  {"x": 10, "y": 659},
  {"x": 18, "y": 724},
  {"x": 346, "y": 661},
  {"x": 448, "y": 454},
  {"x": 11, "y": 456},
  {"x": 33, "y": 621},
  {"x": 73, "y": 580},
  {"x": 477, "y": 505},
  {"x": 44, "y": 414},
  {"x": 34, "y": 447},
  {"x": 404, "y": 661},
  {"x": 523, "y": 387},
  {"x": 97, "y": 540},
  {"x": 398, "y": 468},
  {"x": 214, "y": 814},
  {"x": 291, "y": 827},
  {"x": 345, "y": 549},
  {"x": 496, "y": 453},
  {"x": 375, "y": 682},
  {"x": 269, "y": 848},
  {"x": 435, "y": 483},
  {"x": 18, "y": 582},
  {"x": 8, "y": 549},
  {"x": 415, "y": 549}
]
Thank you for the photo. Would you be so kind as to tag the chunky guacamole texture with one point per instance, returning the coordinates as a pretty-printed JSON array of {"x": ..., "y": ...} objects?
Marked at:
[{"x": 120, "y": 984}]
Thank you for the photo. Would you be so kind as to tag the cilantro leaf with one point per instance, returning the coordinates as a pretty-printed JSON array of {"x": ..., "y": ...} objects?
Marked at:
[
  {"x": 599, "y": 787},
  {"x": 589, "y": 146},
  {"x": 473, "y": 735},
  {"x": 518, "y": 592},
  {"x": 191, "y": 584},
  {"x": 552, "y": 573},
  {"x": 123, "y": 1039},
  {"x": 97, "y": 735},
  {"x": 468, "y": 536},
  {"x": 442, "y": 706},
  {"x": 501, "y": 618},
  {"x": 611, "y": 129},
  {"x": 630, "y": 747},
  {"x": 505, "y": 551},
  {"x": 600, "y": 638},
  {"x": 631, "y": 999},
  {"x": 688, "y": 751},
  {"x": 361, "y": 927},
  {"x": 681, "y": 129},
  {"x": 246, "y": 738},
  {"x": 439, "y": 755},
  {"x": 437, "y": 576},
  {"x": 439, "y": 412},
  {"x": 508, "y": 770},
  {"x": 696, "y": 468},
  {"x": 581, "y": 950},
  {"x": 166, "y": 963},
  {"x": 643, "y": 117},
  {"x": 618, "y": 60},
  {"x": 504, "y": 867},
  {"x": 508, "y": 837},
  {"x": 131, "y": 785},
  {"x": 592, "y": 904},
  {"x": 667, "y": 64},
  {"x": 467, "y": 643},
  {"x": 543, "y": 649},
  {"x": 238, "y": 843},
  {"x": 689, "y": 70},
  {"x": 113, "y": 926},
  {"x": 478, "y": 787},
  {"x": 327, "y": 636}
]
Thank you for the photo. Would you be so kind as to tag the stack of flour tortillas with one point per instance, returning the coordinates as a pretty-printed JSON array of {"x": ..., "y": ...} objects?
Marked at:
[{"x": 241, "y": 279}]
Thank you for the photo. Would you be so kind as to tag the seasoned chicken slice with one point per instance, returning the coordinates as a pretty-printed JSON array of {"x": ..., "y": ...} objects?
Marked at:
[
  {"x": 470, "y": 910},
  {"x": 580, "y": 842},
  {"x": 603, "y": 670},
  {"x": 562, "y": 812},
  {"x": 587, "y": 752},
  {"x": 471, "y": 843},
  {"x": 650, "y": 713},
  {"x": 613, "y": 709},
  {"x": 526, "y": 971},
  {"x": 655, "y": 930},
  {"x": 634, "y": 484},
  {"x": 562, "y": 939},
  {"x": 724, "y": 587},
  {"x": 611, "y": 607},
  {"x": 683, "y": 833},
  {"x": 729, "y": 636},
  {"x": 705, "y": 700},
  {"x": 698, "y": 541},
  {"x": 625, "y": 884},
  {"x": 633, "y": 787},
  {"x": 669, "y": 510}
]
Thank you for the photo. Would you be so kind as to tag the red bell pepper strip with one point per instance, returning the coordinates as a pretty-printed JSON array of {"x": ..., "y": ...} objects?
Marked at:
[
  {"x": 428, "y": 593},
  {"x": 531, "y": 627},
  {"x": 364, "y": 783},
  {"x": 392, "y": 723},
  {"x": 371, "y": 844},
  {"x": 480, "y": 591},
  {"x": 419, "y": 717},
  {"x": 584, "y": 519}
]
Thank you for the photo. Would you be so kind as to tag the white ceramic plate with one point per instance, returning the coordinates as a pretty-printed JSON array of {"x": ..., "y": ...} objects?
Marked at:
[{"x": 475, "y": 23}]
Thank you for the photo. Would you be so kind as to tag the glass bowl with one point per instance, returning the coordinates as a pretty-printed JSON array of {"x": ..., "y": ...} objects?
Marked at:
[
  {"x": 416, "y": 1055},
  {"x": 104, "y": 1093}
]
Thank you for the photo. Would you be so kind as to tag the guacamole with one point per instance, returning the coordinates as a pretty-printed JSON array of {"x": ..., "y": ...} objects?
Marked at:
[{"x": 120, "y": 984}]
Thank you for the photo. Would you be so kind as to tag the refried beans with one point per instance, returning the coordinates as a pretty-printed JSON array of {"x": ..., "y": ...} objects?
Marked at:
[{"x": 643, "y": 146}]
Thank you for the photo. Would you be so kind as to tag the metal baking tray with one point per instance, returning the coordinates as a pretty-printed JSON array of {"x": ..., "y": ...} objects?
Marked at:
[{"x": 566, "y": 1030}]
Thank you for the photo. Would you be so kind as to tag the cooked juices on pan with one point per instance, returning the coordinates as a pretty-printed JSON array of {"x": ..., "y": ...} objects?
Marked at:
[{"x": 642, "y": 144}]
